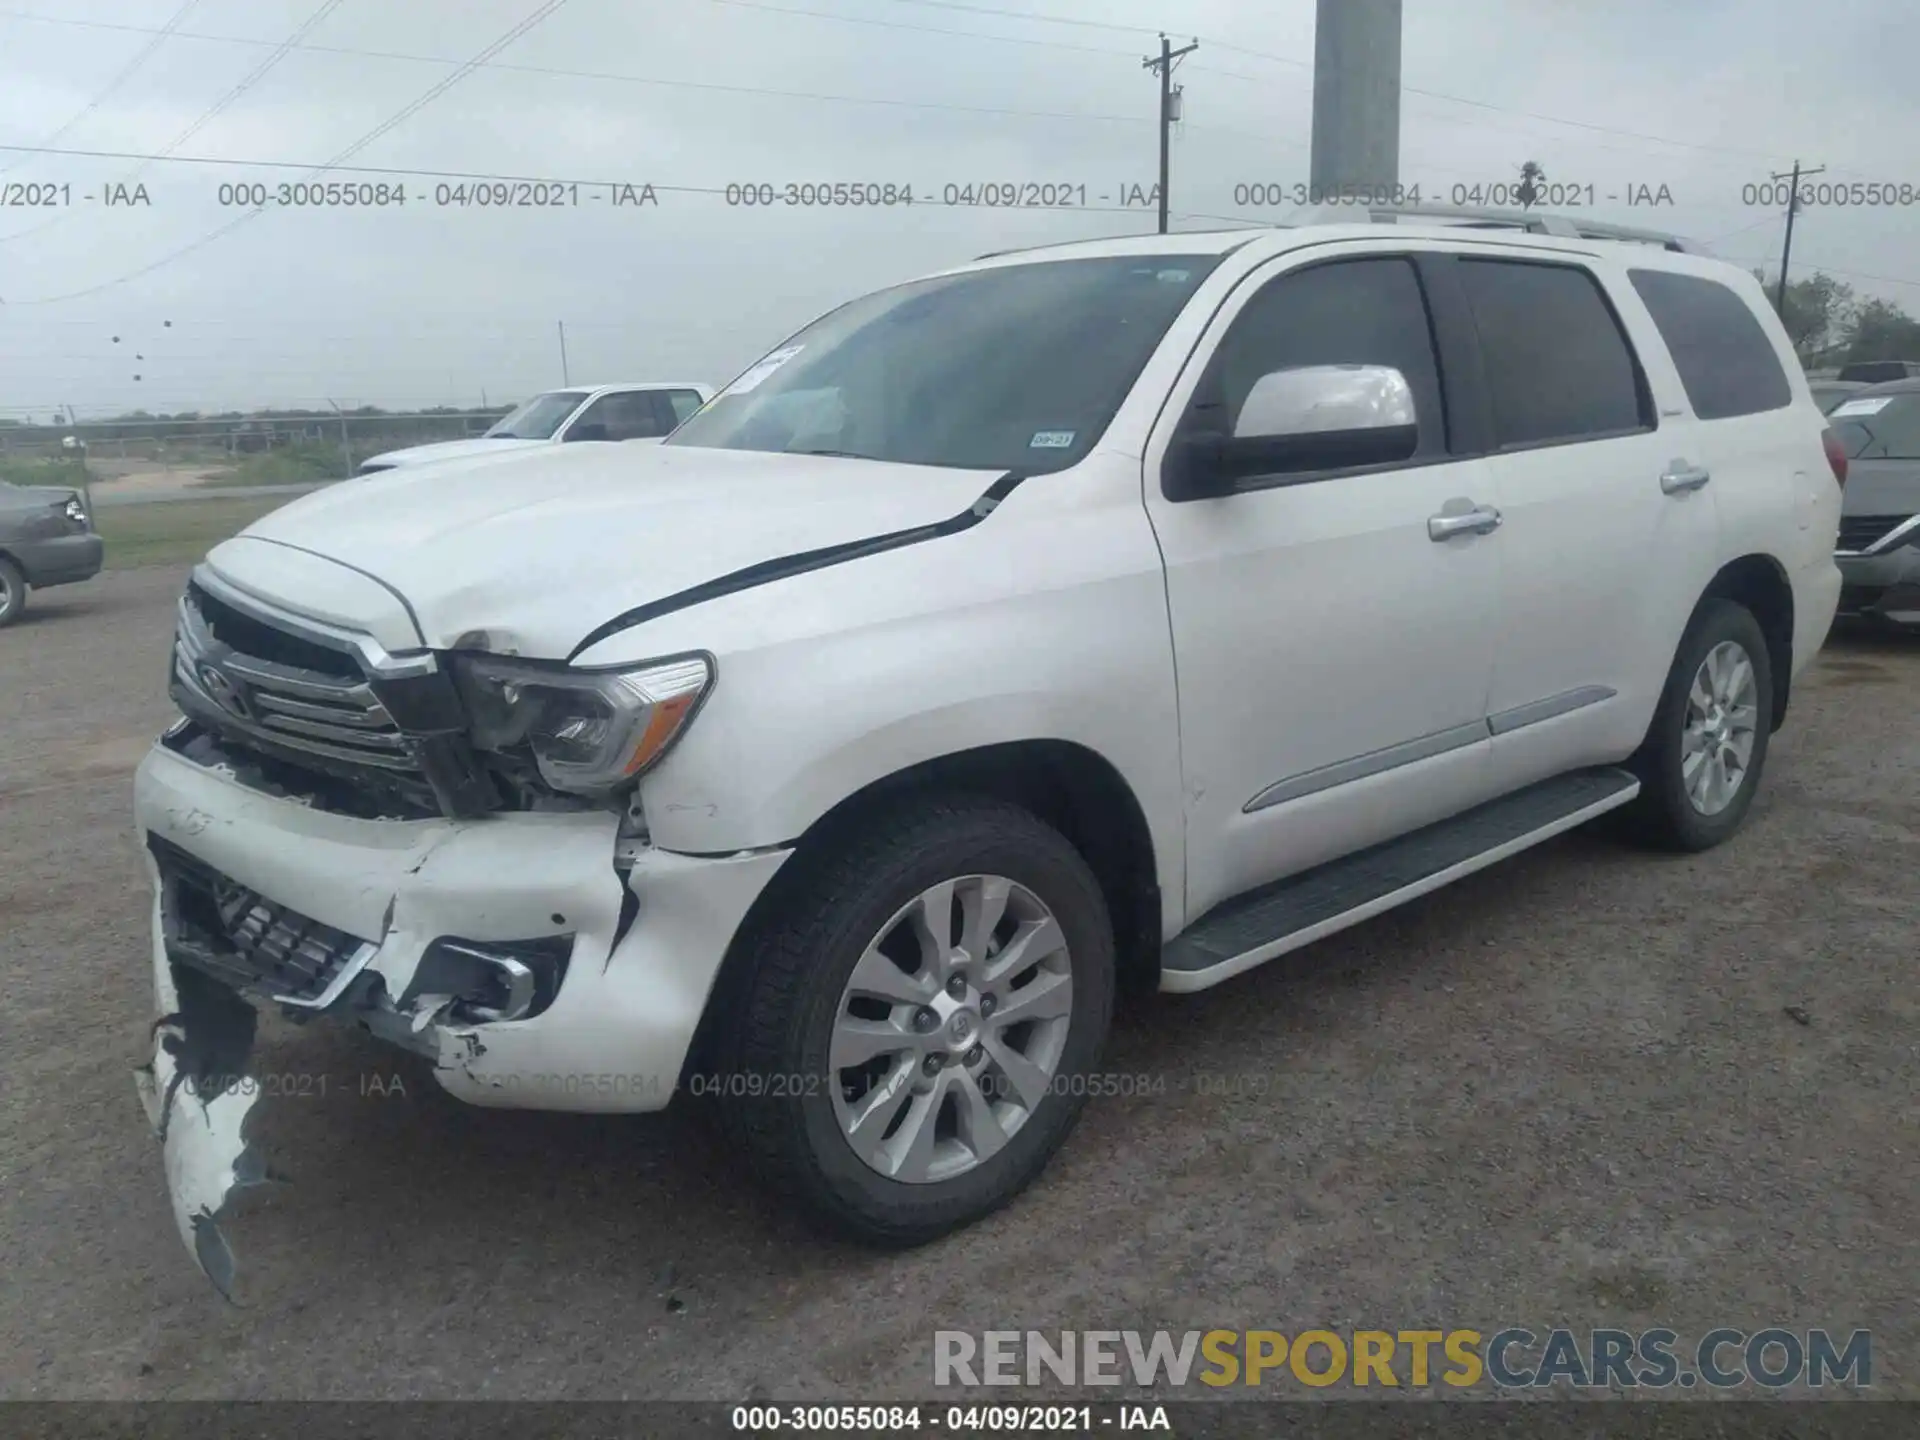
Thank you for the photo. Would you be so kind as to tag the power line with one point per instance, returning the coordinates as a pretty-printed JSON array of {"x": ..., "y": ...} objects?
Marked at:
[
  {"x": 126, "y": 73},
  {"x": 433, "y": 92},
  {"x": 922, "y": 29},
  {"x": 253, "y": 77},
  {"x": 964, "y": 8}
]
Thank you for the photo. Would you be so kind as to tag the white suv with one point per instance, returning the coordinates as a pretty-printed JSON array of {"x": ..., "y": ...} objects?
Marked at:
[{"x": 1125, "y": 613}]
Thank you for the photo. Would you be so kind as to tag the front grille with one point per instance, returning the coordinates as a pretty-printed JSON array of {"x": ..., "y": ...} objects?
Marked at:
[
  {"x": 1862, "y": 532},
  {"x": 257, "y": 683},
  {"x": 216, "y": 925}
]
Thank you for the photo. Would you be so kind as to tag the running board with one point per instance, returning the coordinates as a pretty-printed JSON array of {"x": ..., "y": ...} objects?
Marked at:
[{"x": 1270, "y": 921}]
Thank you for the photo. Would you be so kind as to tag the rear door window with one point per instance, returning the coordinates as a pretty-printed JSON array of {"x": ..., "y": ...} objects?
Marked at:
[
  {"x": 1725, "y": 360},
  {"x": 1557, "y": 364},
  {"x": 684, "y": 403}
]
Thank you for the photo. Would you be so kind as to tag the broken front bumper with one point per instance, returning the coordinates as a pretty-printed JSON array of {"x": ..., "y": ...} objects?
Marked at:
[{"x": 351, "y": 914}]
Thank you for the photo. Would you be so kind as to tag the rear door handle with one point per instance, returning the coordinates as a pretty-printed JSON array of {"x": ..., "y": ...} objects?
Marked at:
[
  {"x": 1679, "y": 477},
  {"x": 1480, "y": 520}
]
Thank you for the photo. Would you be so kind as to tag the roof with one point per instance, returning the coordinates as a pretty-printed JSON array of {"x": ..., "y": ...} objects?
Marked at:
[
  {"x": 640, "y": 385},
  {"x": 1866, "y": 391}
]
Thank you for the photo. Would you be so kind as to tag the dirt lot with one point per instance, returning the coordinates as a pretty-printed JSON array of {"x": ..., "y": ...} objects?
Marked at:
[{"x": 1567, "y": 1091}]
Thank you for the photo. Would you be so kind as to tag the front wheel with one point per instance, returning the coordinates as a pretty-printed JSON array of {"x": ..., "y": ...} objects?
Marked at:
[
  {"x": 1703, "y": 756},
  {"x": 919, "y": 1018},
  {"x": 13, "y": 591}
]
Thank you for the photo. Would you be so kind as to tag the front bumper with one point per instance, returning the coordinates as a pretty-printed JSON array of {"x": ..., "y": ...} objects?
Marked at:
[
  {"x": 614, "y": 1037},
  {"x": 1882, "y": 587},
  {"x": 62, "y": 560}
]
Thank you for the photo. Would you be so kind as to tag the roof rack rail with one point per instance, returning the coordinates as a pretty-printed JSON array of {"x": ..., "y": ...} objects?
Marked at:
[{"x": 1538, "y": 222}]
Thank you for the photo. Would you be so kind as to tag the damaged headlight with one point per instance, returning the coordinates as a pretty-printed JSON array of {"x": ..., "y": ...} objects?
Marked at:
[{"x": 589, "y": 730}]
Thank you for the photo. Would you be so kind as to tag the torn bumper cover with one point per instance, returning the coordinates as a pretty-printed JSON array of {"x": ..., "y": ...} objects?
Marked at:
[{"x": 510, "y": 951}]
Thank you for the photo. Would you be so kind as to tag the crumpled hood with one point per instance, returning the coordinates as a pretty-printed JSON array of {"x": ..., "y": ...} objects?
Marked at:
[
  {"x": 34, "y": 497},
  {"x": 527, "y": 554},
  {"x": 450, "y": 450}
]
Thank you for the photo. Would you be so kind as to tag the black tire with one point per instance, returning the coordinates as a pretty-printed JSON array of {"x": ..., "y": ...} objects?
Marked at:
[
  {"x": 13, "y": 591},
  {"x": 777, "y": 1094},
  {"x": 1663, "y": 815}
]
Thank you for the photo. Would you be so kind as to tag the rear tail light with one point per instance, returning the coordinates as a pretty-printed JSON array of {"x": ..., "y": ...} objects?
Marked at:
[{"x": 1836, "y": 456}]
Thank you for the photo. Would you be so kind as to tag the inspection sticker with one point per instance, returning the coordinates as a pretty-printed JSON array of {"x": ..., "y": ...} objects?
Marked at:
[{"x": 763, "y": 368}]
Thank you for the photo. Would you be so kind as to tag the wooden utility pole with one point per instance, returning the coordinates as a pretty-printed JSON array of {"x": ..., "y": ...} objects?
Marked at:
[
  {"x": 1786, "y": 248},
  {"x": 1163, "y": 64}
]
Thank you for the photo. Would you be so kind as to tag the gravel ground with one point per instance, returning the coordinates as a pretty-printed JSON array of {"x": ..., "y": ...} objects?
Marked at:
[{"x": 1566, "y": 1091}]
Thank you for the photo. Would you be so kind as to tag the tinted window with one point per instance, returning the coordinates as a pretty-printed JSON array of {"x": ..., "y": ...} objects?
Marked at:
[
  {"x": 1876, "y": 372},
  {"x": 684, "y": 403},
  {"x": 1355, "y": 312},
  {"x": 1724, "y": 358},
  {"x": 1883, "y": 427},
  {"x": 624, "y": 414},
  {"x": 539, "y": 417},
  {"x": 1013, "y": 367},
  {"x": 1557, "y": 366}
]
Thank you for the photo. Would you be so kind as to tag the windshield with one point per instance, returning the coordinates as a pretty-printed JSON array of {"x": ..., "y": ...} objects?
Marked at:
[
  {"x": 1880, "y": 427},
  {"x": 538, "y": 418},
  {"x": 1017, "y": 367}
]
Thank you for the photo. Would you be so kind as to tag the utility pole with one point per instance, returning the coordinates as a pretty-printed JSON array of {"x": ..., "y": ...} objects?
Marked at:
[
  {"x": 1163, "y": 64},
  {"x": 1786, "y": 248},
  {"x": 565, "y": 379}
]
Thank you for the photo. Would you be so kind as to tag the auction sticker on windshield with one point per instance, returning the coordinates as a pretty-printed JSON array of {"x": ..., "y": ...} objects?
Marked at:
[
  {"x": 1862, "y": 407},
  {"x": 1051, "y": 440},
  {"x": 763, "y": 368}
]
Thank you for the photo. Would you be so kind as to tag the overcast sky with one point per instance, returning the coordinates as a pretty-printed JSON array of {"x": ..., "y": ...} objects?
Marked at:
[{"x": 431, "y": 305}]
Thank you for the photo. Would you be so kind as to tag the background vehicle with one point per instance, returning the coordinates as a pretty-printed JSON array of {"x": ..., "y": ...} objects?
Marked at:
[
  {"x": 636, "y": 410},
  {"x": 46, "y": 539},
  {"x": 1829, "y": 393},
  {"x": 1879, "y": 544},
  {"x": 1124, "y": 613},
  {"x": 1878, "y": 372}
]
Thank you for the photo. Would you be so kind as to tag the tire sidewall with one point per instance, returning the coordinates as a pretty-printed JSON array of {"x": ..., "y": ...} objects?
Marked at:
[
  {"x": 13, "y": 592},
  {"x": 1717, "y": 622},
  {"x": 1032, "y": 855}
]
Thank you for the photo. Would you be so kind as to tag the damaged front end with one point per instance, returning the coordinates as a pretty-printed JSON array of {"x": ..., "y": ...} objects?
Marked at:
[{"x": 197, "y": 1098}]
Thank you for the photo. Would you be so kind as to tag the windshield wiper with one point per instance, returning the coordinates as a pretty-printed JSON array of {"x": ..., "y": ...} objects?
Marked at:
[{"x": 841, "y": 454}]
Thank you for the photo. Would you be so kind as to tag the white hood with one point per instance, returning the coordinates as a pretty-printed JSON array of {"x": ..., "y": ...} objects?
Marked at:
[
  {"x": 450, "y": 450},
  {"x": 535, "y": 550}
]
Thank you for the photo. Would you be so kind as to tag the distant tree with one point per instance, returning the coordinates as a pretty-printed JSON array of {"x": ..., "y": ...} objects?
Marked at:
[
  {"x": 1819, "y": 314},
  {"x": 1881, "y": 330},
  {"x": 1528, "y": 191}
]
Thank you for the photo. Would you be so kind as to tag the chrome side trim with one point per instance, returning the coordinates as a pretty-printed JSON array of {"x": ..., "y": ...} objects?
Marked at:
[
  {"x": 1892, "y": 540},
  {"x": 379, "y": 661},
  {"x": 1534, "y": 711},
  {"x": 1311, "y": 782}
]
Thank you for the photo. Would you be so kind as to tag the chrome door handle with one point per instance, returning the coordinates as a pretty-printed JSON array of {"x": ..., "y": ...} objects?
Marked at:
[
  {"x": 1679, "y": 477},
  {"x": 1481, "y": 520}
]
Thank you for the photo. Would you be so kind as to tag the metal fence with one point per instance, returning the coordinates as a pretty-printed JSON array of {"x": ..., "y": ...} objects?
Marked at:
[{"x": 265, "y": 448}]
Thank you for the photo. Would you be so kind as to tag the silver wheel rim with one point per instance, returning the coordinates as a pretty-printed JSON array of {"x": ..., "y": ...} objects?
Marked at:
[
  {"x": 950, "y": 1030},
  {"x": 1723, "y": 714}
]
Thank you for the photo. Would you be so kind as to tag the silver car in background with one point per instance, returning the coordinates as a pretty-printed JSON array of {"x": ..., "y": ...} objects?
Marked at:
[
  {"x": 1879, "y": 546},
  {"x": 46, "y": 539}
]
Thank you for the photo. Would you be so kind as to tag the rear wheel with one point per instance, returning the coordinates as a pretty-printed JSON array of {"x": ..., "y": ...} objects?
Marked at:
[
  {"x": 1702, "y": 759},
  {"x": 13, "y": 591},
  {"x": 919, "y": 1020}
]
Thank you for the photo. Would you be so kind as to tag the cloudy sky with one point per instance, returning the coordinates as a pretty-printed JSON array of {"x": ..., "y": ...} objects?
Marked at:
[{"x": 431, "y": 304}]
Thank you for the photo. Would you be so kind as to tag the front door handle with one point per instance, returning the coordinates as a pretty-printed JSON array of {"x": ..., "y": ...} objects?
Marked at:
[
  {"x": 1679, "y": 477},
  {"x": 1480, "y": 520}
]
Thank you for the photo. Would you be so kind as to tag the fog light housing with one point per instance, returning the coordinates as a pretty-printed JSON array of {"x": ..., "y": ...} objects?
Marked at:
[{"x": 492, "y": 980}]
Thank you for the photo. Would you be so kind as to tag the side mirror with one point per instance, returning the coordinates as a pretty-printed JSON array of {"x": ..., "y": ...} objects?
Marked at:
[
  {"x": 592, "y": 430},
  {"x": 1314, "y": 417}
]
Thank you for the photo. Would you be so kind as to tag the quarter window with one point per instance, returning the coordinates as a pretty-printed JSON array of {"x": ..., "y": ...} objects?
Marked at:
[
  {"x": 1557, "y": 365},
  {"x": 1725, "y": 360}
]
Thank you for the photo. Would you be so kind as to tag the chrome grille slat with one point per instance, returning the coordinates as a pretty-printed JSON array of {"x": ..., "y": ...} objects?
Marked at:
[
  {"x": 371, "y": 718},
  {"x": 329, "y": 717}
]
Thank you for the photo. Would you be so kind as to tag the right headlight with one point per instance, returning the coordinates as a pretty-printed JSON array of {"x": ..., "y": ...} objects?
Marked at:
[{"x": 590, "y": 731}]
